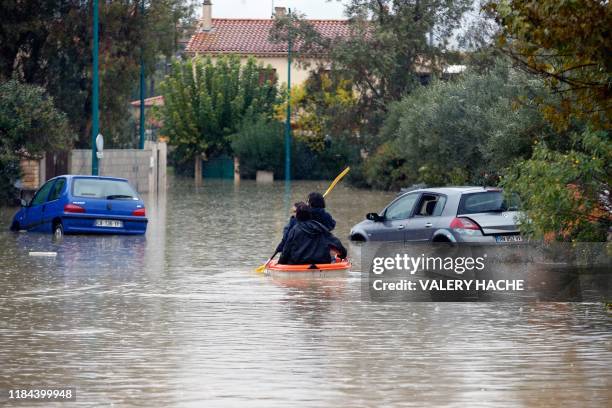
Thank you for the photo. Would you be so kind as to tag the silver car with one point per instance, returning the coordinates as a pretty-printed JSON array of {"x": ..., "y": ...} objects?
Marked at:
[{"x": 445, "y": 214}]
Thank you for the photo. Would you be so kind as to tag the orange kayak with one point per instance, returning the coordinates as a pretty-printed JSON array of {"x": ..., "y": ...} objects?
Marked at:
[{"x": 274, "y": 268}]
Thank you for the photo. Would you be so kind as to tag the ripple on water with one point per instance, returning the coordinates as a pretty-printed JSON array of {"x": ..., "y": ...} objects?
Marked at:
[{"x": 178, "y": 318}]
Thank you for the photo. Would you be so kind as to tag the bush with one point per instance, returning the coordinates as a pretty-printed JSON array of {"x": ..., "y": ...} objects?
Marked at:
[
  {"x": 260, "y": 146},
  {"x": 29, "y": 124},
  {"x": 324, "y": 164},
  {"x": 464, "y": 131},
  {"x": 566, "y": 194}
]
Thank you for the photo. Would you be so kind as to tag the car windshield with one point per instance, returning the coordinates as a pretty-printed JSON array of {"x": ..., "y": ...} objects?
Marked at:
[
  {"x": 489, "y": 201},
  {"x": 103, "y": 188}
]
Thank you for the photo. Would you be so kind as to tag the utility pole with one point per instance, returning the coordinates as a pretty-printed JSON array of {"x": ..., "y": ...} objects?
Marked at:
[
  {"x": 95, "y": 126},
  {"x": 142, "y": 86},
  {"x": 288, "y": 121}
]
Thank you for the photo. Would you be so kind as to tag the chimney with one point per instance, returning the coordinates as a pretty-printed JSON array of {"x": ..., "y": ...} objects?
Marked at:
[
  {"x": 280, "y": 11},
  {"x": 207, "y": 15}
]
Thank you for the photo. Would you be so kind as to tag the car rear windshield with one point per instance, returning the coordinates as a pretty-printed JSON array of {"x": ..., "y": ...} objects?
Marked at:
[
  {"x": 102, "y": 188},
  {"x": 488, "y": 201}
]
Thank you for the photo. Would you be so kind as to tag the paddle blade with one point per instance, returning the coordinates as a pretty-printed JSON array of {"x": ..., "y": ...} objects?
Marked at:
[
  {"x": 261, "y": 268},
  {"x": 336, "y": 180}
]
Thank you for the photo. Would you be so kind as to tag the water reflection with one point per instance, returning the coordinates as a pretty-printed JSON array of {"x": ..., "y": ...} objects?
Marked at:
[{"x": 178, "y": 318}]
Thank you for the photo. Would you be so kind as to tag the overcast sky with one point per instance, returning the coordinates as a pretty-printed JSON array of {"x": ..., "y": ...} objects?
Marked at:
[{"x": 317, "y": 9}]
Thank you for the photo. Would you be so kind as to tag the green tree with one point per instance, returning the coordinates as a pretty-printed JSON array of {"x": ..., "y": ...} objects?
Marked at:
[
  {"x": 566, "y": 193},
  {"x": 29, "y": 125},
  {"x": 464, "y": 131},
  {"x": 567, "y": 43},
  {"x": 322, "y": 107},
  {"x": 48, "y": 43},
  {"x": 390, "y": 45},
  {"x": 565, "y": 185},
  {"x": 205, "y": 102}
]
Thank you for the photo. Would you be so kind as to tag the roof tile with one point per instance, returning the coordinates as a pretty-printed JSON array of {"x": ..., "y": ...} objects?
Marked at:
[{"x": 250, "y": 36}]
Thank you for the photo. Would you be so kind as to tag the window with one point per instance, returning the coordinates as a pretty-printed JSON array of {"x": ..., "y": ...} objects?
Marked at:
[
  {"x": 402, "y": 208},
  {"x": 267, "y": 74},
  {"x": 430, "y": 205},
  {"x": 42, "y": 193},
  {"x": 439, "y": 206},
  {"x": 57, "y": 189},
  {"x": 489, "y": 201},
  {"x": 102, "y": 188}
]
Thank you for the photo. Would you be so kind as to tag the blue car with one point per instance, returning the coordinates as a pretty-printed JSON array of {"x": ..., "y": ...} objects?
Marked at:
[{"x": 83, "y": 204}]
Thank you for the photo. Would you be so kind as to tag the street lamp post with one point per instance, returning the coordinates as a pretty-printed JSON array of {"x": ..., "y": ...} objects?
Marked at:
[
  {"x": 95, "y": 126},
  {"x": 288, "y": 120},
  {"x": 142, "y": 87}
]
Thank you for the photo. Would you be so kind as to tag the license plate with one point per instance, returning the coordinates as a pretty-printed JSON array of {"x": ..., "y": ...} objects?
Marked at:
[
  {"x": 508, "y": 238},
  {"x": 109, "y": 223}
]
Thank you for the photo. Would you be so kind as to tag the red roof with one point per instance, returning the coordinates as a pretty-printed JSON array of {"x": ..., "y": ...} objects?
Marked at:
[{"x": 250, "y": 36}]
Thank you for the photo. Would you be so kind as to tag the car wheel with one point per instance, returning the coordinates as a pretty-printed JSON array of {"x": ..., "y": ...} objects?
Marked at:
[
  {"x": 58, "y": 231},
  {"x": 357, "y": 238},
  {"x": 441, "y": 238},
  {"x": 15, "y": 226}
]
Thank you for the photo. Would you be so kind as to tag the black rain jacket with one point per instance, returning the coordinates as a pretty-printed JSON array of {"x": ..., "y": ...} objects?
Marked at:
[
  {"x": 318, "y": 214},
  {"x": 309, "y": 242}
]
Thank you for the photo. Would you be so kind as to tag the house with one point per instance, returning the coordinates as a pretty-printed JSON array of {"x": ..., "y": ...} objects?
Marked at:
[
  {"x": 152, "y": 125},
  {"x": 250, "y": 38}
]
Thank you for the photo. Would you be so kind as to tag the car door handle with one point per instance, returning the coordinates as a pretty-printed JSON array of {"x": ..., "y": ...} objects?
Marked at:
[
  {"x": 428, "y": 225},
  {"x": 400, "y": 227}
]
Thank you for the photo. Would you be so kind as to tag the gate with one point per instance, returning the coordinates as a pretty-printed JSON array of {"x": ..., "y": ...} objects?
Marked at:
[
  {"x": 220, "y": 167},
  {"x": 56, "y": 164}
]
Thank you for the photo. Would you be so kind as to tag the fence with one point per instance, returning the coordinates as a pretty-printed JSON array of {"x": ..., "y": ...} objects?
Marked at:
[{"x": 145, "y": 169}]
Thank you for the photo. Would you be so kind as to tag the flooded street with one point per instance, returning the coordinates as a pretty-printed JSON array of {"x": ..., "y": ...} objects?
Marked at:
[{"x": 179, "y": 318}]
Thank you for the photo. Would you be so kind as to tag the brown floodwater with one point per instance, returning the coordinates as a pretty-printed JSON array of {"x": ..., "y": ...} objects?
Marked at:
[{"x": 179, "y": 318}]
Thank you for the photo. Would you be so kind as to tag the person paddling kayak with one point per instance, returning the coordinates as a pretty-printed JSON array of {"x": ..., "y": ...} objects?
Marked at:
[
  {"x": 309, "y": 241},
  {"x": 316, "y": 201}
]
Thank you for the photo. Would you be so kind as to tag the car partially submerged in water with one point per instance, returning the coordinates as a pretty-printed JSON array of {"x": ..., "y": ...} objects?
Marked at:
[
  {"x": 445, "y": 214},
  {"x": 83, "y": 204}
]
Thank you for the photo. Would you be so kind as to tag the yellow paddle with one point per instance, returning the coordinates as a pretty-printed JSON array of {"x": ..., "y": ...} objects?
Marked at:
[
  {"x": 262, "y": 268},
  {"x": 336, "y": 180}
]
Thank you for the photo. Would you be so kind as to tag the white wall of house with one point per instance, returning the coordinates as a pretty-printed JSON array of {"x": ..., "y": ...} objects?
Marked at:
[{"x": 298, "y": 74}]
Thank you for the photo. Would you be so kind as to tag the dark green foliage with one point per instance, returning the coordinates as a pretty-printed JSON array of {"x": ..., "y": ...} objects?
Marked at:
[
  {"x": 567, "y": 44},
  {"x": 566, "y": 192},
  {"x": 49, "y": 43},
  {"x": 326, "y": 163},
  {"x": 205, "y": 103},
  {"x": 464, "y": 131},
  {"x": 260, "y": 146},
  {"x": 29, "y": 125},
  {"x": 385, "y": 54}
]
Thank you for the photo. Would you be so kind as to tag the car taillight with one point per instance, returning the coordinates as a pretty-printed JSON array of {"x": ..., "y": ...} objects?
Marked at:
[
  {"x": 464, "y": 223},
  {"x": 73, "y": 208},
  {"x": 140, "y": 212}
]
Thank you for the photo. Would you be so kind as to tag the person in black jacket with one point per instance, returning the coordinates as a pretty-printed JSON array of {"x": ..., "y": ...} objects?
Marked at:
[
  {"x": 287, "y": 228},
  {"x": 316, "y": 201},
  {"x": 317, "y": 208},
  {"x": 309, "y": 241}
]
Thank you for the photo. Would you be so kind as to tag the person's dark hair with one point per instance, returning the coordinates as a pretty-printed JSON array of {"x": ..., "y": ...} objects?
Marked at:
[
  {"x": 302, "y": 212},
  {"x": 316, "y": 200}
]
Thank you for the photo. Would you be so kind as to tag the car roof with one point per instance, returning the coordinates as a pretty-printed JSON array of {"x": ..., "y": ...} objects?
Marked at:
[
  {"x": 69, "y": 176},
  {"x": 454, "y": 190}
]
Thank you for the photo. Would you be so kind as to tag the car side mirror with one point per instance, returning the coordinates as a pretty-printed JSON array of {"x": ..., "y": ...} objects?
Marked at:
[
  {"x": 374, "y": 217},
  {"x": 23, "y": 202}
]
